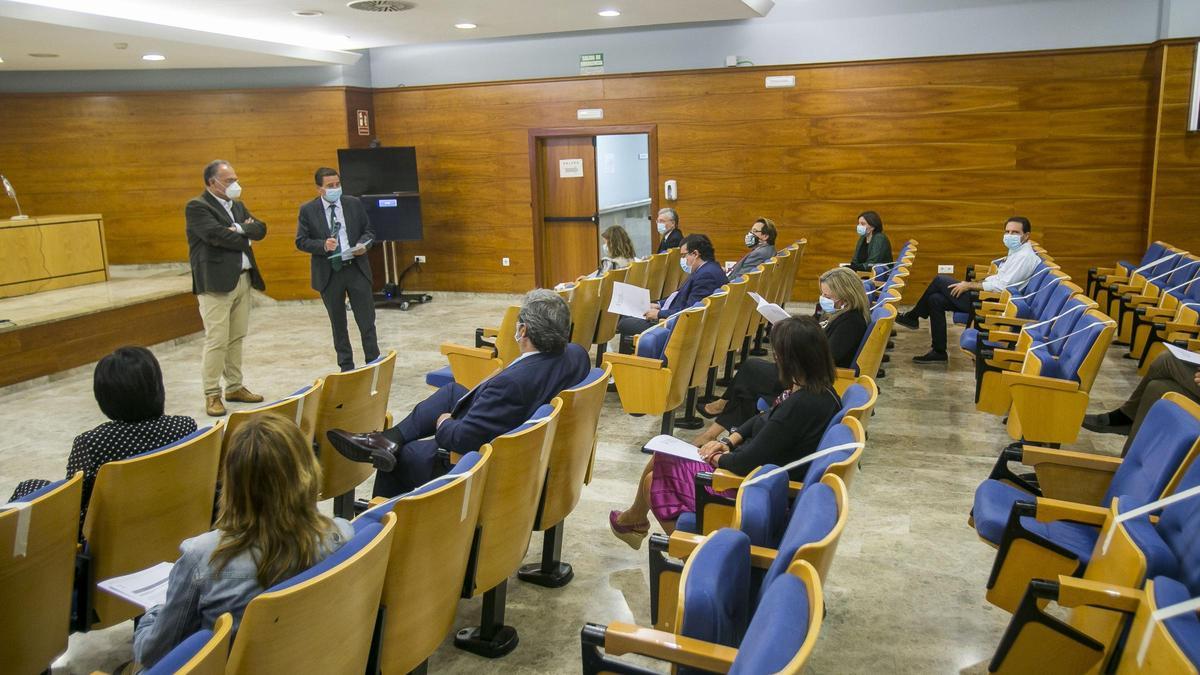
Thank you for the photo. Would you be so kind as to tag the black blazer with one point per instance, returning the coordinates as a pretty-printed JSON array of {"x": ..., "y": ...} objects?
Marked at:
[
  {"x": 784, "y": 434},
  {"x": 845, "y": 333},
  {"x": 671, "y": 239},
  {"x": 313, "y": 229},
  {"x": 699, "y": 285},
  {"x": 214, "y": 250}
]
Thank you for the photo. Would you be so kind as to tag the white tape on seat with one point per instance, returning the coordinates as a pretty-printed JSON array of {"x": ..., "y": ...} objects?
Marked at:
[
  {"x": 1152, "y": 263},
  {"x": 1052, "y": 319},
  {"x": 803, "y": 460},
  {"x": 1160, "y": 615},
  {"x": 299, "y": 408},
  {"x": 1173, "y": 270},
  {"x": 375, "y": 381},
  {"x": 466, "y": 498},
  {"x": 21, "y": 539},
  {"x": 1073, "y": 333},
  {"x": 1033, "y": 276},
  {"x": 1052, "y": 284},
  {"x": 1147, "y": 509}
]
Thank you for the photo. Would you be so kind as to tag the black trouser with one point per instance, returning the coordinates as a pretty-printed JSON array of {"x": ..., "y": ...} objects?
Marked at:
[
  {"x": 351, "y": 282},
  {"x": 933, "y": 305},
  {"x": 755, "y": 379},
  {"x": 627, "y": 327}
]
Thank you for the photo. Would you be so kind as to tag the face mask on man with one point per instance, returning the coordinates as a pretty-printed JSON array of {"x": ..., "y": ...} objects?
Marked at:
[
  {"x": 1012, "y": 241},
  {"x": 517, "y": 335},
  {"x": 828, "y": 306},
  {"x": 333, "y": 194},
  {"x": 683, "y": 264},
  {"x": 662, "y": 229},
  {"x": 233, "y": 190},
  {"x": 751, "y": 239},
  {"x": 861, "y": 229}
]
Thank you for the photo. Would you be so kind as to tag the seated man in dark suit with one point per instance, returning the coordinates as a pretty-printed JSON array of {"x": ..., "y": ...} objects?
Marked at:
[
  {"x": 698, "y": 259},
  {"x": 461, "y": 421}
]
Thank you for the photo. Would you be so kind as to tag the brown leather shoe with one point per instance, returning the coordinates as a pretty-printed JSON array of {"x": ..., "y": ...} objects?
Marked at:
[
  {"x": 213, "y": 406},
  {"x": 372, "y": 447},
  {"x": 243, "y": 395}
]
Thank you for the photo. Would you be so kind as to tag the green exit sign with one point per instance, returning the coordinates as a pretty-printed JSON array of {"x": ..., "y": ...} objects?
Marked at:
[{"x": 591, "y": 64}]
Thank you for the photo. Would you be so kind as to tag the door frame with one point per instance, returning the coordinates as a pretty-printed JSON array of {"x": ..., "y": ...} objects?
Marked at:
[{"x": 536, "y": 136}]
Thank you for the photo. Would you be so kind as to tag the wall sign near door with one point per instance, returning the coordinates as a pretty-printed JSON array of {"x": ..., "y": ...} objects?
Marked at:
[
  {"x": 364, "y": 122},
  {"x": 570, "y": 168}
]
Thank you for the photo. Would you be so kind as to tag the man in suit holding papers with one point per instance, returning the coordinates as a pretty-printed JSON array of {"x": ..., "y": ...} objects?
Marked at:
[{"x": 698, "y": 259}]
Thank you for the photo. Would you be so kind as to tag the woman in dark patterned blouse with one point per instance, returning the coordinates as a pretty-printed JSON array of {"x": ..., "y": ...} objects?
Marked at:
[{"x": 129, "y": 388}]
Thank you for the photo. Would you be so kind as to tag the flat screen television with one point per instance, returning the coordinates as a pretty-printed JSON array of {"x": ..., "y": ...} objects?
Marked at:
[
  {"x": 378, "y": 171},
  {"x": 394, "y": 218}
]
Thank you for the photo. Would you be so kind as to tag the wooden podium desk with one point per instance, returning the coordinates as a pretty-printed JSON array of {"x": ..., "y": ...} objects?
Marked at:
[{"x": 51, "y": 252}]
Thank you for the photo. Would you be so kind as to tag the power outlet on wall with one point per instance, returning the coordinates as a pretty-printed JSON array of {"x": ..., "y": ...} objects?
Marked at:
[
  {"x": 945, "y": 269},
  {"x": 419, "y": 259},
  {"x": 504, "y": 262}
]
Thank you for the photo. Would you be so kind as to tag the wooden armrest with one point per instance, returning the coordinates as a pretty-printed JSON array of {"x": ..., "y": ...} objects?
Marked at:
[
  {"x": 449, "y": 348},
  {"x": 1122, "y": 289},
  {"x": 991, "y": 296},
  {"x": 1075, "y": 592},
  {"x": 1175, "y": 327},
  {"x": 1015, "y": 379},
  {"x": 376, "y": 501},
  {"x": 1136, "y": 300},
  {"x": 845, "y": 374},
  {"x": 1106, "y": 270},
  {"x": 490, "y": 332},
  {"x": 1034, "y": 455},
  {"x": 681, "y": 544},
  {"x": 1158, "y": 313},
  {"x": 1193, "y": 345},
  {"x": 723, "y": 480},
  {"x": 761, "y": 557},
  {"x": 1049, "y": 510},
  {"x": 1007, "y": 321},
  {"x": 1001, "y": 336},
  {"x": 631, "y": 360},
  {"x": 992, "y": 308},
  {"x": 624, "y": 638}
]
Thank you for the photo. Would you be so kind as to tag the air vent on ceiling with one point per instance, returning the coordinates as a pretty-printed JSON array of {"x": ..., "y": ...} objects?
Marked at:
[{"x": 380, "y": 5}]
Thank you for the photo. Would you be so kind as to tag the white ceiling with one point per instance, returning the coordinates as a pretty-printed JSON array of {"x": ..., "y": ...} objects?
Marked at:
[{"x": 265, "y": 33}]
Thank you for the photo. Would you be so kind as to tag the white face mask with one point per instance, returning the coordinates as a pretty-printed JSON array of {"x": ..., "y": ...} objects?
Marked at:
[
  {"x": 828, "y": 306},
  {"x": 751, "y": 239},
  {"x": 1012, "y": 241},
  {"x": 233, "y": 190},
  {"x": 517, "y": 335},
  {"x": 332, "y": 194},
  {"x": 861, "y": 229},
  {"x": 662, "y": 229}
]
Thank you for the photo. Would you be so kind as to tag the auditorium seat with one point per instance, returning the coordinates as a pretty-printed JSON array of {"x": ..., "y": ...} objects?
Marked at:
[
  {"x": 1099, "y": 277},
  {"x": 654, "y": 381},
  {"x": 606, "y": 325},
  {"x": 674, "y": 277},
  {"x": 506, "y": 516},
  {"x": 202, "y": 653},
  {"x": 39, "y": 535},
  {"x": 140, "y": 510},
  {"x": 656, "y": 273},
  {"x": 710, "y": 330},
  {"x": 1001, "y": 329},
  {"x": 355, "y": 401},
  {"x": 319, "y": 621},
  {"x": 1162, "y": 646},
  {"x": 301, "y": 406},
  {"x": 584, "y": 304},
  {"x": 1167, "y": 443},
  {"x": 1160, "y": 287},
  {"x": 735, "y": 297},
  {"x": 435, "y": 526},
  {"x": 1176, "y": 328},
  {"x": 779, "y": 638},
  {"x": 872, "y": 347},
  {"x": 1109, "y": 293},
  {"x": 770, "y": 281},
  {"x": 572, "y": 455},
  {"x": 746, "y": 311},
  {"x": 638, "y": 274},
  {"x": 470, "y": 365}
]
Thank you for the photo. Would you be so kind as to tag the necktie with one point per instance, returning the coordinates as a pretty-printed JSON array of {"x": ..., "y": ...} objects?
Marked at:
[{"x": 335, "y": 227}]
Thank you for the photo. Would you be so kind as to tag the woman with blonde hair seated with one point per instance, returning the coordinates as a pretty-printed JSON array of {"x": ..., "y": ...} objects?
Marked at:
[
  {"x": 267, "y": 530},
  {"x": 845, "y": 313}
]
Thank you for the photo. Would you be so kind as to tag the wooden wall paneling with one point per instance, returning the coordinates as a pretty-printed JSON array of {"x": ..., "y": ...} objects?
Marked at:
[{"x": 1176, "y": 198}]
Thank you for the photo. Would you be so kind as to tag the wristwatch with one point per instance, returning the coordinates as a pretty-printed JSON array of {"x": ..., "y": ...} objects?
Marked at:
[{"x": 726, "y": 442}]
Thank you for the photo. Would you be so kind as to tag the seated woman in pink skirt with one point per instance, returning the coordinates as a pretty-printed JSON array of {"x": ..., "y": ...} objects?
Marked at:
[{"x": 791, "y": 429}]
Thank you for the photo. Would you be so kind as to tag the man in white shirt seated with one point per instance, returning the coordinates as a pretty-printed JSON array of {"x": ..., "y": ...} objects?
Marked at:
[{"x": 947, "y": 294}]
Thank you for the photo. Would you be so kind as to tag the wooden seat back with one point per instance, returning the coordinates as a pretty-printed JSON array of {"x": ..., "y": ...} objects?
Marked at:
[{"x": 355, "y": 401}]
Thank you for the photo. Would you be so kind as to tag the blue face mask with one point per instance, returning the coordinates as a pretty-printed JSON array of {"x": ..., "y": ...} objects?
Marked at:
[
  {"x": 683, "y": 264},
  {"x": 828, "y": 306},
  {"x": 1012, "y": 241},
  {"x": 662, "y": 229},
  {"x": 861, "y": 229},
  {"x": 332, "y": 194}
]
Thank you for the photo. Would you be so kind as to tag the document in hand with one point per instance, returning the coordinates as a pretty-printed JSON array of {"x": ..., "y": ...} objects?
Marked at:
[
  {"x": 669, "y": 445},
  {"x": 1183, "y": 355},
  {"x": 629, "y": 300},
  {"x": 773, "y": 312},
  {"x": 145, "y": 588}
]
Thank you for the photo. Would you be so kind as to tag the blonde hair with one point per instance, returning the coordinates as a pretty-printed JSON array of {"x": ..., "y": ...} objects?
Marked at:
[
  {"x": 268, "y": 504},
  {"x": 619, "y": 244},
  {"x": 848, "y": 288}
]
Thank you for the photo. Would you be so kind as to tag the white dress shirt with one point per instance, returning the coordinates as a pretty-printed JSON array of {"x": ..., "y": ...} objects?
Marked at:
[
  {"x": 228, "y": 204},
  {"x": 1014, "y": 272},
  {"x": 343, "y": 240}
]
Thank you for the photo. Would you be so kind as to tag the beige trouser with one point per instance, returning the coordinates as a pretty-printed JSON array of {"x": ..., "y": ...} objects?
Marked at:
[{"x": 226, "y": 317}]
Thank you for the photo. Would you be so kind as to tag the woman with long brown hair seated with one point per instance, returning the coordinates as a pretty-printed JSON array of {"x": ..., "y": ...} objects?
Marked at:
[
  {"x": 267, "y": 530},
  {"x": 790, "y": 430}
]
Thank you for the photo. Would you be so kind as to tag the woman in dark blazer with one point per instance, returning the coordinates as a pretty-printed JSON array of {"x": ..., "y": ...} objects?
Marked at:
[
  {"x": 873, "y": 247},
  {"x": 845, "y": 316}
]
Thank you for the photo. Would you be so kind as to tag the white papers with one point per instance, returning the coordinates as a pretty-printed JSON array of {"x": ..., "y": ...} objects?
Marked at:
[
  {"x": 629, "y": 300},
  {"x": 773, "y": 312},
  {"x": 145, "y": 588},
  {"x": 670, "y": 298},
  {"x": 669, "y": 445},
  {"x": 1183, "y": 354}
]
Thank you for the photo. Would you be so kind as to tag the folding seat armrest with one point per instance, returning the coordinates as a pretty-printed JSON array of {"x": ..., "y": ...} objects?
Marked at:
[
  {"x": 1071, "y": 476},
  {"x": 990, "y": 296},
  {"x": 1076, "y": 592},
  {"x": 1002, "y": 336},
  {"x": 1033, "y": 455},
  {"x": 487, "y": 332},
  {"x": 1158, "y": 313},
  {"x": 845, "y": 374},
  {"x": 1193, "y": 345},
  {"x": 623, "y": 638},
  {"x": 681, "y": 544},
  {"x": 721, "y": 480},
  {"x": 1136, "y": 300},
  {"x": 1007, "y": 321},
  {"x": 761, "y": 557},
  {"x": 632, "y": 361},
  {"x": 1188, "y": 328},
  {"x": 1122, "y": 289},
  {"x": 486, "y": 352},
  {"x": 1014, "y": 379},
  {"x": 1049, "y": 510},
  {"x": 1001, "y": 472}
]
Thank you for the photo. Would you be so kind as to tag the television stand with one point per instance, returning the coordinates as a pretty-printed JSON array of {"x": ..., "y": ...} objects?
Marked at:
[{"x": 392, "y": 296}]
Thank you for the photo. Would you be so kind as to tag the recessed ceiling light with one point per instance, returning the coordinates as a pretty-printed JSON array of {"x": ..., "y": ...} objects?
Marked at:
[
  {"x": 1, "y": 60},
  {"x": 153, "y": 57},
  {"x": 609, "y": 12},
  {"x": 465, "y": 25},
  {"x": 43, "y": 55},
  {"x": 307, "y": 12}
]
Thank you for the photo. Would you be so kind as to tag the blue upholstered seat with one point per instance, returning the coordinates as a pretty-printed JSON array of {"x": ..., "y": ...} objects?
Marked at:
[
  {"x": 716, "y": 589},
  {"x": 1172, "y": 544},
  {"x": 777, "y": 631},
  {"x": 764, "y": 507},
  {"x": 362, "y": 536},
  {"x": 376, "y": 513},
  {"x": 1184, "y": 629},
  {"x": 440, "y": 377},
  {"x": 814, "y": 515},
  {"x": 181, "y": 654},
  {"x": 45, "y": 489}
]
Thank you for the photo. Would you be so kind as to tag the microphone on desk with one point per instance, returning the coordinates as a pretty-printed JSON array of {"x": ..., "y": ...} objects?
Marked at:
[{"x": 13, "y": 195}]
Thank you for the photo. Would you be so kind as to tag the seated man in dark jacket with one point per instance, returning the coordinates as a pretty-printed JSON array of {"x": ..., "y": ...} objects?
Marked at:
[
  {"x": 461, "y": 421},
  {"x": 698, "y": 259}
]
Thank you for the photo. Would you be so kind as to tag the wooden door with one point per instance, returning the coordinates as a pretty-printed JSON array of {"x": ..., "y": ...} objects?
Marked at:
[{"x": 570, "y": 245}]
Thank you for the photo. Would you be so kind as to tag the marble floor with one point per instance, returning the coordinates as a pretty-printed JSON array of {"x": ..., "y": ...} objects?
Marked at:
[{"x": 905, "y": 593}]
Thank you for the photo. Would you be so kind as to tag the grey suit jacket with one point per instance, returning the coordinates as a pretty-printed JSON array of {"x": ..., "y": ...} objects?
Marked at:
[
  {"x": 313, "y": 229},
  {"x": 757, "y": 256},
  {"x": 214, "y": 250}
]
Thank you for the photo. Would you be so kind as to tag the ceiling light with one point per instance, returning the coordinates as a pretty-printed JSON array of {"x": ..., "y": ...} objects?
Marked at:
[
  {"x": 465, "y": 25},
  {"x": 153, "y": 57},
  {"x": 1, "y": 60},
  {"x": 307, "y": 12},
  {"x": 609, "y": 12},
  {"x": 43, "y": 55}
]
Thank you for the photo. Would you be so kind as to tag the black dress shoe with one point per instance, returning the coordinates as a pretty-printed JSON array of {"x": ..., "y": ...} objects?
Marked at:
[
  {"x": 1101, "y": 424},
  {"x": 908, "y": 321},
  {"x": 932, "y": 357},
  {"x": 372, "y": 448}
]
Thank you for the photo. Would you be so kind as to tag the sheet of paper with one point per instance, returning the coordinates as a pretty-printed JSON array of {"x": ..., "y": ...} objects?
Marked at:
[
  {"x": 1183, "y": 354},
  {"x": 629, "y": 300},
  {"x": 670, "y": 298},
  {"x": 145, "y": 588},
  {"x": 773, "y": 312},
  {"x": 669, "y": 445}
]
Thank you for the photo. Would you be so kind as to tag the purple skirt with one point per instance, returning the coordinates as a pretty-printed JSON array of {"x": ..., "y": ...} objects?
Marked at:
[{"x": 673, "y": 486}]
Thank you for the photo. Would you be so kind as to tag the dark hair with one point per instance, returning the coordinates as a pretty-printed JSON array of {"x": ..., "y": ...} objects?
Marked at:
[
  {"x": 802, "y": 354},
  {"x": 701, "y": 244},
  {"x": 1025, "y": 226},
  {"x": 872, "y": 219},
  {"x": 128, "y": 385},
  {"x": 321, "y": 173},
  {"x": 768, "y": 228},
  {"x": 547, "y": 320},
  {"x": 210, "y": 170}
]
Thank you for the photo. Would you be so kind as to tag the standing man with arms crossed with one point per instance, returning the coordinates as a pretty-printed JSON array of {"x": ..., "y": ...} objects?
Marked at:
[
  {"x": 330, "y": 225},
  {"x": 219, "y": 231}
]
